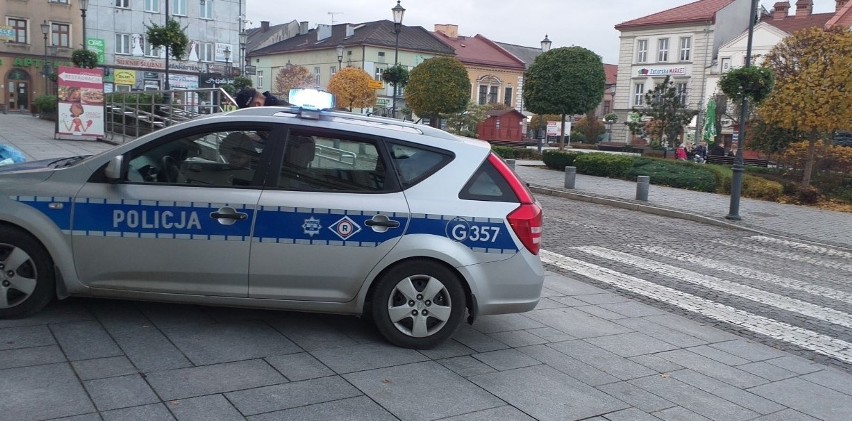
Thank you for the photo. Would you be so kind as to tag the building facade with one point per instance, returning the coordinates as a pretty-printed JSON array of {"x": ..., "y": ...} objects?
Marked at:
[
  {"x": 116, "y": 30},
  {"x": 35, "y": 36},
  {"x": 680, "y": 43},
  {"x": 368, "y": 46}
]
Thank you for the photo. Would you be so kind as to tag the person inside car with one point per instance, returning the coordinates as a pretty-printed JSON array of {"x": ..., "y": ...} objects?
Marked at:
[{"x": 250, "y": 97}]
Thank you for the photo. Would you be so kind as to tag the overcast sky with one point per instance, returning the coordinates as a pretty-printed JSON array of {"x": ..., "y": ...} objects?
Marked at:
[{"x": 587, "y": 23}]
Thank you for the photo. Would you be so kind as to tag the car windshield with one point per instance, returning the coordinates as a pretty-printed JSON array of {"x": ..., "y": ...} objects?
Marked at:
[{"x": 67, "y": 162}]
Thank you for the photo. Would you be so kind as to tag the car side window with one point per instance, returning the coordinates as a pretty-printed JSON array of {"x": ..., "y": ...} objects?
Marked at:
[
  {"x": 415, "y": 164},
  {"x": 222, "y": 158},
  {"x": 331, "y": 162}
]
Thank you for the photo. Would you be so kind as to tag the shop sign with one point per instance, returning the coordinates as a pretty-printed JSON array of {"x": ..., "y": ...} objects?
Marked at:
[
  {"x": 7, "y": 33},
  {"x": 81, "y": 102},
  {"x": 98, "y": 46},
  {"x": 220, "y": 52},
  {"x": 125, "y": 77},
  {"x": 37, "y": 63},
  {"x": 663, "y": 71},
  {"x": 150, "y": 76},
  {"x": 155, "y": 64}
]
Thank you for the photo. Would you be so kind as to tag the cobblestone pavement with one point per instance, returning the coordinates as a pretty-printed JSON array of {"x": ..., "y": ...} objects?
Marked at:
[
  {"x": 799, "y": 222},
  {"x": 642, "y": 317}
]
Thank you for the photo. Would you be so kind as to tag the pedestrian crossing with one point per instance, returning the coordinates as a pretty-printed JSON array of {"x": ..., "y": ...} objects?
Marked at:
[{"x": 746, "y": 283}]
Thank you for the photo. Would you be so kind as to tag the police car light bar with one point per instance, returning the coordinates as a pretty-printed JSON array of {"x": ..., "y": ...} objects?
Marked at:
[{"x": 311, "y": 101}]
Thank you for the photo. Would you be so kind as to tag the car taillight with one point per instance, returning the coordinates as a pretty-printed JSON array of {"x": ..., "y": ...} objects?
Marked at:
[{"x": 526, "y": 220}]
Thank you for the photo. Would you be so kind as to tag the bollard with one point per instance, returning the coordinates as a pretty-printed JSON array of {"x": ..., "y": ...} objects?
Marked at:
[
  {"x": 642, "y": 183},
  {"x": 511, "y": 163},
  {"x": 570, "y": 177}
]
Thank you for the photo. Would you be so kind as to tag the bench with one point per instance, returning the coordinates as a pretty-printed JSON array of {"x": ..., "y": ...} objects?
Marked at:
[{"x": 729, "y": 160}]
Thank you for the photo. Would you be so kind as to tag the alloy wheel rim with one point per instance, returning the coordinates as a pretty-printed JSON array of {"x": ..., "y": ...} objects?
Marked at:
[
  {"x": 18, "y": 276},
  {"x": 419, "y": 306}
]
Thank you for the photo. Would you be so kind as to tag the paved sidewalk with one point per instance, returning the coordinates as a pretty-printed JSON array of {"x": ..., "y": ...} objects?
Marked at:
[{"x": 34, "y": 137}]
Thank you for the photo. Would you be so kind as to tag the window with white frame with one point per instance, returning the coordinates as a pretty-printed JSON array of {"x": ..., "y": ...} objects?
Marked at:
[
  {"x": 259, "y": 74},
  {"x": 483, "y": 94},
  {"x": 58, "y": 1},
  {"x": 378, "y": 75},
  {"x": 60, "y": 34},
  {"x": 19, "y": 27},
  {"x": 663, "y": 50},
  {"x": 507, "y": 96},
  {"x": 317, "y": 78},
  {"x": 206, "y": 51},
  {"x": 150, "y": 51},
  {"x": 642, "y": 51},
  {"x": 178, "y": 7},
  {"x": 638, "y": 94},
  {"x": 333, "y": 70},
  {"x": 685, "y": 48},
  {"x": 207, "y": 9},
  {"x": 122, "y": 43},
  {"x": 681, "y": 92},
  {"x": 124, "y": 4},
  {"x": 152, "y": 6}
]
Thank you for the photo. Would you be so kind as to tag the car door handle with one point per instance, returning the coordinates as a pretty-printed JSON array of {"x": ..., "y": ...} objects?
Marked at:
[
  {"x": 239, "y": 216},
  {"x": 381, "y": 221},
  {"x": 389, "y": 224}
]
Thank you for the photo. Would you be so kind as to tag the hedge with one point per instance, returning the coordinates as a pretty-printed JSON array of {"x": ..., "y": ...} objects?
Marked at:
[
  {"x": 603, "y": 165},
  {"x": 679, "y": 174},
  {"x": 557, "y": 159},
  {"x": 508, "y": 152}
]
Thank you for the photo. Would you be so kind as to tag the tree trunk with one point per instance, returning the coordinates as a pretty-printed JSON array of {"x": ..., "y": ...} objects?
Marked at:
[
  {"x": 809, "y": 162},
  {"x": 562, "y": 134}
]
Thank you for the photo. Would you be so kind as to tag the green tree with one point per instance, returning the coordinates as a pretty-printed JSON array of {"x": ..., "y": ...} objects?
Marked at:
[
  {"x": 396, "y": 75},
  {"x": 171, "y": 36},
  {"x": 667, "y": 111},
  {"x": 241, "y": 82},
  {"x": 292, "y": 77},
  {"x": 564, "y": 81},
  {"x": 466, "y": 122},
  {"x": 439, "y": 85},
  {"x": 351, "y": 88},
  {"x": 84, "y": 59},
  {"x": 813, "y": 86}
]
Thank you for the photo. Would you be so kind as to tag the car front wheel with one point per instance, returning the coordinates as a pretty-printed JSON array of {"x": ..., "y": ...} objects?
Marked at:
[
  {"x": 418, "y": 304},
  {"x": 26, "y": 274}
]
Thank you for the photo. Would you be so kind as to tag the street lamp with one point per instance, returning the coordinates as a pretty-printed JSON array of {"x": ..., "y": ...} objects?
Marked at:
[
  {"x": 166, "y": 84},
  {"x": 45, "y": 29},
  {"x": 52, "y": 49},
  {"x": 737, "y": 168},
  {"x": 611, "y": 110},
  {"x": 398, "y": 13},
  {"x": 243, "y": 39},
  {"x": 83, "y": 6},
  {"x": 227, "y": 62},
  {"x": 545, "y": 44},
  {"x": 339, "y": 57}
]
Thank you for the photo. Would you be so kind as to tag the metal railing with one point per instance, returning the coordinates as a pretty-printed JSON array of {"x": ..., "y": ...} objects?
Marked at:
[{"x": 136, "y": 113}]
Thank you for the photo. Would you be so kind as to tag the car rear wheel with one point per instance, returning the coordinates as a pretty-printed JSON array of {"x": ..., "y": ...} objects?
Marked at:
[
  {"x": 26, "y": 274},
  {"x": 418, "y": 304}
]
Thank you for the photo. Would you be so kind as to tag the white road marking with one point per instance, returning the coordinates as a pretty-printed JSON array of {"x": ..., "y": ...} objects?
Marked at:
[
  {"x": 786, "y": 255},
  {"x": 802, "y": 246},
  {"x": 711, "y": 282},
  {"x": 751, "y": 273},
  {"x": 800, "y": 337}
]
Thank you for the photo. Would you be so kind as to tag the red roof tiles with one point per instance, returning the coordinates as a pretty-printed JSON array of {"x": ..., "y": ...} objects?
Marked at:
[
  {"x": 792, "y": 24},
  {"x": 697, "y": 12},
  {"x": 478, "y": 50}
]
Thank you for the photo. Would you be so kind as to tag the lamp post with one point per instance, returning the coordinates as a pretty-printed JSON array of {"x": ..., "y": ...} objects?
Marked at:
[
  {"x": 83, "y": 6},
  {"x": 243, "y": 39},
  {"x": 45, "y": 29},
  {"x": 166, "y": 82},
  {"x": 339, "y": 57},
  {"x": 52, "y": 49},
  {"x": 398, "y": 13},
  {"x": 611, "y": 110},
  {"x": 545, "y": 44},
  {"x": 227, "y": 62},
  {"x": 737, "y": 168}
]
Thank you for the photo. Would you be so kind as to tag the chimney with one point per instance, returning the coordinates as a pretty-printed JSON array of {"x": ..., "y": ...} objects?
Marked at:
[
  {"x": 840, "y": 4},
  {"x": 350, "y": 30},
  {"x": 780, "y": 10},
  {"x": 323, "y": 32},
  {"x": 303, "y": 27},
  {"x": 450, "y": 30},
  {"x": 804, "y": 8},
  {"x": 264, "y": 25}
]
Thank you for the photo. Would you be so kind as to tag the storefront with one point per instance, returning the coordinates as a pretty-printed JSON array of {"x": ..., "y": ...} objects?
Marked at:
[{"x": 23, "y": 81}]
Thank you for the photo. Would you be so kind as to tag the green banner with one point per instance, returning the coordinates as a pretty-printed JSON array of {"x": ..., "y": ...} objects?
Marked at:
[{"x": 98, "y": 46}]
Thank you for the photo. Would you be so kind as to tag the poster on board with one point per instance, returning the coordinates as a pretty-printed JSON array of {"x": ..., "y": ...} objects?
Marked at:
[{"x": 81, "y": 103}]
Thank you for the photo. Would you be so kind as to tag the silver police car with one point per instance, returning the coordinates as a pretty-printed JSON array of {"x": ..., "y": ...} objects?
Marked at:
[{"x": 291, "y": 208}]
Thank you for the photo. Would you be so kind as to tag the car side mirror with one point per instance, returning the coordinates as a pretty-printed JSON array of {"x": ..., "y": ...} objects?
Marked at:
[{"x": 113, "y": 168}]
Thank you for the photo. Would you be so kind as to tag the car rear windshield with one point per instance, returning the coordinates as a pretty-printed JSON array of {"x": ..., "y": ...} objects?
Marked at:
[{"x": 415, "y": 164}]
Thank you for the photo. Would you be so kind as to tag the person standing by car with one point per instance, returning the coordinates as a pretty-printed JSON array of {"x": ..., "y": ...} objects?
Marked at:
[{"x": 250, "y": 97}]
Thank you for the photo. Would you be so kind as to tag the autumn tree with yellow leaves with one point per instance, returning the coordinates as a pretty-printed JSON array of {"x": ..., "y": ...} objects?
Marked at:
[
  {"x": 351, "y": 88},
  {"x": 813, "y": 87}
]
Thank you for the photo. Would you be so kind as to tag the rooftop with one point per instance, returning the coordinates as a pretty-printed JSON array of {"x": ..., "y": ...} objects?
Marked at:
[{"x": 696, "y": 12}]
